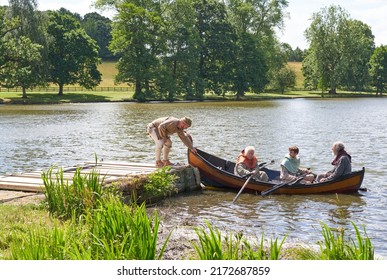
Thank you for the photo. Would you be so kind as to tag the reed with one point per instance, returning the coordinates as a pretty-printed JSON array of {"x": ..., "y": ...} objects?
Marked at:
[
  {"x": 212, "y": 246},
  {"x": 363, "y": 250},
  {"x": 113, "y": 231},
  {"x": 64, "y": 199},
  {"x": 40, "y": 244},
  {"x": 119, "y": 231},
  {"x": 336, "y": 246}
]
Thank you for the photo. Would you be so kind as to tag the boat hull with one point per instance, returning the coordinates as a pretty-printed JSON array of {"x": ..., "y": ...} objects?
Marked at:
[{"x": 217, "y": 172}]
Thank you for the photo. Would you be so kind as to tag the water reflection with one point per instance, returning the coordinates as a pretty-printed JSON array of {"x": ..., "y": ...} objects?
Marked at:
[{"x": 35, "y": 137}]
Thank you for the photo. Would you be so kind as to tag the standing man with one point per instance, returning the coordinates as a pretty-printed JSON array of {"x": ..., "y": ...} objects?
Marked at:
[{"x": 160, "y": 130}]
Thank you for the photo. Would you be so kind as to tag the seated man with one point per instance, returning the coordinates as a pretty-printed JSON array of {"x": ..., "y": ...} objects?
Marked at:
[
  {"x": 290, "y": 167},
  {"x": 341, "y": 164},
  {"x": 247, "y": 163}
]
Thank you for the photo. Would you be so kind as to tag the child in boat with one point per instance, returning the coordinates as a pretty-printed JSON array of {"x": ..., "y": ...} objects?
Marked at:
[{"x": 290, "y": 167}]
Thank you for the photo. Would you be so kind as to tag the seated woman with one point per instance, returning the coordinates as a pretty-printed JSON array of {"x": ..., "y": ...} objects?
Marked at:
[
  {"x": 290, "y": 167},
  {"x": 247, "y": 163}
]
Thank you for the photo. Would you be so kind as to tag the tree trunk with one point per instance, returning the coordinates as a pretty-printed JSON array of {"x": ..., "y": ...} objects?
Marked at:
[
  {"x": 24, "y": 93},
  {"x": 60, "y": 89},
  {"x": 239, "y": 94}
]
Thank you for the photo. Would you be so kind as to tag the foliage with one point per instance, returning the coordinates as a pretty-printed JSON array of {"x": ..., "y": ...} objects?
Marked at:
[
  {"x": 212, "y": 246},
  {"x": 160, "y": 183},
  {"x": 21, "y": 55},
  {"x": 337, "y": 247},
  {"x": 190, "y": 47},
  {"x": 122, "y": 232},
  {"x": 378, "y": 69},
  {"x": 17, "y": 54},
  {"x": 99, "y": 29},
  {"x": 66, "y": 39},
  {"x": 340, "y": 49},
  {"x": 66, "y": 200},
  {"x": 138, "y": 39},
  {"x": 29, "y": 69},
  {"x": 113, "y": 231},
  {"x": 285, "y": 78}
]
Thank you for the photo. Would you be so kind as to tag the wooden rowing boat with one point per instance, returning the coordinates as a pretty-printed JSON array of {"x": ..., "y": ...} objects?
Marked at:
[{"x": 218, "y": 172}]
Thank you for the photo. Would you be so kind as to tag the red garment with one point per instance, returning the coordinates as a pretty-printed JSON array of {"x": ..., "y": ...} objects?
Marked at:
[
  {"x": 250, "y": 163},
  {"x": 339, "y": 155}
]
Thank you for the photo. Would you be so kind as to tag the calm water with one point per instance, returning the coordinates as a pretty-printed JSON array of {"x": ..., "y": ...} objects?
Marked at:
[{"x": 36, "y": 137}]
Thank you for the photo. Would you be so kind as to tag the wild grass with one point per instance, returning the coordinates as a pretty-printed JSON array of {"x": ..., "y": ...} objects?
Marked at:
[
  {"x": 212, "y": 246},
  {"x": 119, "y": 231},
  {"x": 93, "y": 223},
  {"x": 90, "y": 222},
  {"x": 337, "y": 246},
  {"x": 161, "y": 183},
  {"x": 65, "y": 199},
  {"x": 113, "y": 231},
  {"x": 297, "y": 68}
]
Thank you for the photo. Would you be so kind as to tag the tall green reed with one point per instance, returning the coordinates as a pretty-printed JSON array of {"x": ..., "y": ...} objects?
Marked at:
[
  {"x": 66, "y": 199},
  {"x": 113, "y": 231},
  {"x": 40, "y": 244},
  {"x": 336, "y": 246},
  {"x": 119, "y": 231},
  {"x": 212, "y": 246}
]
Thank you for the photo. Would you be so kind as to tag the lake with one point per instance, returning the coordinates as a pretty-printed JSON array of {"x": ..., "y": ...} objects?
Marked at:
[{"x": 35, "y": 137}]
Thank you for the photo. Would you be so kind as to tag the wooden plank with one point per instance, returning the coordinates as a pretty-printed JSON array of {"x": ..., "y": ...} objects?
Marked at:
[
  {"x": 22, "y": 180},
  {"x": 108, "y": 171},
  {"x": 119, "y": 163},
  {"x": 21, "y": 187},
  {"x": 124, "y": 168}
]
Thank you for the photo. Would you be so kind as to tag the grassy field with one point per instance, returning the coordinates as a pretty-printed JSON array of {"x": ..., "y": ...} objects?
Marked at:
[
  {"x": 296, "y": 66},
  {"x": 109, "y": 71},
  {"x": 109, "y": 91}
]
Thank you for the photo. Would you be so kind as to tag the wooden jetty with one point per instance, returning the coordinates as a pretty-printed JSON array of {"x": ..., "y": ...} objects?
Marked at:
[{"x": 110, "y": 171}]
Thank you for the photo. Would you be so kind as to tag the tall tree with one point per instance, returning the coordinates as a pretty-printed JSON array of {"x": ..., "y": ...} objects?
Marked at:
[
  {"x": 378, "y": 69},
  {"x": 358, "y": 46},
  {"x": 259, "y": 52},
  {"x": 138, "y": 38},
  {"x": 217, "y": 46},
  {"x": 180, "y": 65},
  {"x": 32, "y": 70},
  {"x": 18, "y": 54},
  {"x": 73, "y": 54},
  {"x": 99, "y": 28},
  {"x": 340, "y": 47},
  {"x": 324, "y": 38}
]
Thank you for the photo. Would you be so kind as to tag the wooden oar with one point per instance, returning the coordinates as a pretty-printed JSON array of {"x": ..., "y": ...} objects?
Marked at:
[
  {"x": 278, "y": 186},
  {"x": 247, "y": 181},
  {"x": 241, "y": 190}
]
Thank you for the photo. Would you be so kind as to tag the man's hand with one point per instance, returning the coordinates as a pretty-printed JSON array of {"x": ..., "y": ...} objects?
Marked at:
[{"x": 194, "y": 151}]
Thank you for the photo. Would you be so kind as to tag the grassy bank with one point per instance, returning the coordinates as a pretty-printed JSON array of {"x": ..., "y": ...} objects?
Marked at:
[
  {"x": 108, "y": 91},
  {"x": 86, "y": 221},
  {"x": 127, "y": 96}
]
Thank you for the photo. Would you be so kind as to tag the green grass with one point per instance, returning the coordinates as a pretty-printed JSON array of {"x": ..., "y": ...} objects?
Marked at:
[
  {"x": 108, "y": 91},
  {"x": 297, "y": 67},
  {"x": 213, "y": 246},
  {"x": 109, "y": 71}
]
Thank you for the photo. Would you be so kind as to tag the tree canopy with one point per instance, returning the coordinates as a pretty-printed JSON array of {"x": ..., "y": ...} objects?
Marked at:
[
  {"x": 73, "y": 55},
  {"x": 339, "y": 52}
]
